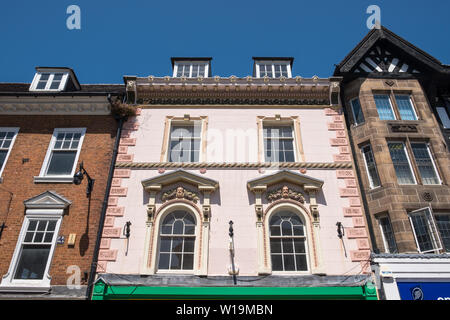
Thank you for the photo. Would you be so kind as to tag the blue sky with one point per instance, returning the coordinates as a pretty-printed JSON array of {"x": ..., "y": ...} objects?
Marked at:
[{"x": 137, "y": 37}]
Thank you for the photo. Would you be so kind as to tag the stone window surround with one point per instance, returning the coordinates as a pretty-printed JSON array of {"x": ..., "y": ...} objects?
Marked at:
[
  {"x": 311, "y": 217},
  {"x": 154, "y": 215},
  {"x": 379, "y": 216},
  {"x": 187, "y": 119},
  {"x": 412, "y": 161},
  {"x": 48, "y": 205},
  {"x": 293, "y": 121}
]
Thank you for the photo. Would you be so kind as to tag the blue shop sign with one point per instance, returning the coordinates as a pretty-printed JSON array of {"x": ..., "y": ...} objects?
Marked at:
[{"x": 424, "y": 290}]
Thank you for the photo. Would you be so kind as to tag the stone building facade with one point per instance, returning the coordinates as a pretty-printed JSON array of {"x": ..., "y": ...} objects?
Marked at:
[
  {"x": 401, "y": 154},
  {"x": 233, "y": 160}
]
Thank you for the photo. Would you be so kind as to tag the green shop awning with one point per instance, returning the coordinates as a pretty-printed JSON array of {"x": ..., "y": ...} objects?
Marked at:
[{"x": 103, "y": 291}]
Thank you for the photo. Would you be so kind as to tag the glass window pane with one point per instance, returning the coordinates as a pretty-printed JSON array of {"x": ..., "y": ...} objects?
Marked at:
[
  {"x": 443, "y": 115},
  {"x": 275, "y": 230},
  {"x": 189, "y": 244},
  {"x": 388, "y": 234},
  {"x": 277, "y": 262},
  {"x": 384, "y": 107},
  {"x": 289, "y": 262},
  {"x": 288, "y": 246},
  {"x": 177, "y": 244},
  {"x": 405, "y": 108},
  {"x": 275, "y": 245},
  {"x": 178, "y": 227},
  {"x": 32, "y": 262},
  {"x": 422, "y": 231},
  {"x": 372, "y": 172},
  {"x": 61, "y": 163},
  {"x": 401, "y": 163},
  {"x": 443, "y": 225},
  {"x": 299, "y": 245},
  {"x": 51, "y": 225},
  {"x": 286, "y": 228},
  {"x": 38, "y": 237},
  {"x": 32, "y": 225},
  {"x": 164, "y": 261},
  {"x": 188, "y": 261},
  {"x": 302, "y": 264},
  {"x": 175, "y": 261},
  {"x": 48, "y": 237},
  {"x": 2, "y": 157},
  {"x": 424, "y": 163},
  {"x": 165, "y": 244},
  {"x": 29, "y": 237},
  {"x": 357, "y": 112},
  {"x": 42, "y": 225}
]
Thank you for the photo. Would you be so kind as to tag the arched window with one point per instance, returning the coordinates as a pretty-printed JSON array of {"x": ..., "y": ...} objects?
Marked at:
[
  {"x": 288, "y": 242},
  {"x": 177, "y": 241}
]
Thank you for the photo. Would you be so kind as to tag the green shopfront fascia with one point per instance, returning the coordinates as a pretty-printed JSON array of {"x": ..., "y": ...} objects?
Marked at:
[{"x": 102, "y": 291}]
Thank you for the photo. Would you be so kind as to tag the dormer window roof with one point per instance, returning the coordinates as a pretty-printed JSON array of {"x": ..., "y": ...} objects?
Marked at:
[
  {"x": 191, "y": 67},
  {"x": 272, "y": 67},
  {"x": 48, "y": 79}
]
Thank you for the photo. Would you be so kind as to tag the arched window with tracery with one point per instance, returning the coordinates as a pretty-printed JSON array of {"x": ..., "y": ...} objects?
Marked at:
[
  {"x": 177, "y": 241},
  {"x": 288, "y": 242}
]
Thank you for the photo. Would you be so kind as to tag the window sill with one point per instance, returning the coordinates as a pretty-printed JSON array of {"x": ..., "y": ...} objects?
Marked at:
[
  {"x": 29, "y": 287},
  {"x": 54, "y": 179}
]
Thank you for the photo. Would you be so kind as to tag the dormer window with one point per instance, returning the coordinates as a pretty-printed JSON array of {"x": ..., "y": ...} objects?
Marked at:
[
  {"x": 49, "y": 81},
  {"x": 54, "y": 79},
  {"x": 191, "y": 68},
  {"x": 273, "y": 68}
]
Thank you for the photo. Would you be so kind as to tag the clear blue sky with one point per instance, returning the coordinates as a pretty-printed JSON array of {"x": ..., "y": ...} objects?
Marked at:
[{"x": 137, "y": 37}]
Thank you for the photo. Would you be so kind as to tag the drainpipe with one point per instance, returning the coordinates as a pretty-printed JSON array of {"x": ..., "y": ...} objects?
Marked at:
[{"x": 104, "y": 207}]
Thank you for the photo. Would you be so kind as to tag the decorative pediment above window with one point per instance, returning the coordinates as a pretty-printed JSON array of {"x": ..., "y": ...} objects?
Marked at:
[
  {"x": 306, "y": 182},
  {"x": 47, "y": 200},
  {"x": 200, "y": 182},
  {"x": 155, "y": 184}
]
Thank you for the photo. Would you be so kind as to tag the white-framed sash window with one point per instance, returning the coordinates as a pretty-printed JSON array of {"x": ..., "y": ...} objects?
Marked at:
[
  {"x": 49, "y": 81},
  {"x": 62, "y": 155},
  {"x": 7, "y": 139}
]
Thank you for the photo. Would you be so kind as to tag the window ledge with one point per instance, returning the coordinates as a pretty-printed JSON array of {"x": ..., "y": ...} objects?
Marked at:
[
  {"x": 54, "y": 179},
  {"x": 24, "y": 288}
]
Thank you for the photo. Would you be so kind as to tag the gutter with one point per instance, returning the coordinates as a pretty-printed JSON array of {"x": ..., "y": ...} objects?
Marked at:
[{"x": 104, "y": 207}]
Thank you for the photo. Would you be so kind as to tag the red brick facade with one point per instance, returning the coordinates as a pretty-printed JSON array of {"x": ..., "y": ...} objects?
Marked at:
[{"x": 25, "y": 161}]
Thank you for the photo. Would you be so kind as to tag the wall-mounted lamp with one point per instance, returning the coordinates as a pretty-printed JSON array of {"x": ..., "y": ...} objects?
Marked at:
[
  {"x": 78, "y": 178},
  {"x": 126, "y": 232},
  {"x": 341, "y": 234}
]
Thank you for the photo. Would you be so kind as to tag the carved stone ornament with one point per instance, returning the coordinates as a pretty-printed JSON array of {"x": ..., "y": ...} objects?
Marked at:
[
  {"x": 151, "y": 209},
  {"x": 179, "y": 193},
  {"x": 285, "y": 193}
]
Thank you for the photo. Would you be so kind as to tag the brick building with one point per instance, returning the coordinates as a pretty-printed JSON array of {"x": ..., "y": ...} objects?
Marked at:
[
  {"x": 394, "y": 97},
  {"x": 49, "y": 224}
]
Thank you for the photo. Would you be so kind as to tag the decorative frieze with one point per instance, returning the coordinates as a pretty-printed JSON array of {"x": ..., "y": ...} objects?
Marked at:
[
  {"x": 285, "y": 193},
  {"x": 180, "y": 193}
]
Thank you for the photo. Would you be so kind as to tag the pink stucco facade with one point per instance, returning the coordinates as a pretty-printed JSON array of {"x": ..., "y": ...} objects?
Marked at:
[{"x": 322, "y": 142}]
